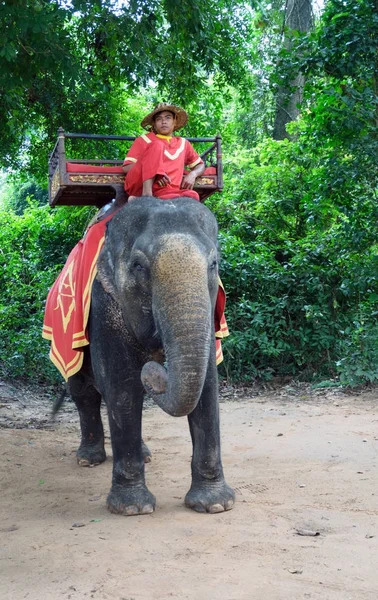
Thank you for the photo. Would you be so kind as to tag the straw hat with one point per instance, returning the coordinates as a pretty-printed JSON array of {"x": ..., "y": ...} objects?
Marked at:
[{"x": 180, "y": 114}]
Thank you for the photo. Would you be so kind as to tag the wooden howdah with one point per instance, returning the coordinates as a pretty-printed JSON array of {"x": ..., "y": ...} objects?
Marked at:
[{"x": 85, "y": 182}]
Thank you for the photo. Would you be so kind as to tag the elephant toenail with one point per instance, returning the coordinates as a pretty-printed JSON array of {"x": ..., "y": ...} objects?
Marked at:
[
  {"x": 131, "y": 511},
  {"x": 216, "y": 508}
]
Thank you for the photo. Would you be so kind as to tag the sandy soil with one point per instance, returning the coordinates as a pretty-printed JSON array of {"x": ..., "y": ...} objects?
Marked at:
[{"x": 299, "y": 462}]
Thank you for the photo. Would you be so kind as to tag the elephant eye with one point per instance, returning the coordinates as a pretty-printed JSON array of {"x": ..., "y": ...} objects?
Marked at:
[
  {"x": 138, "y": 267},
  {"x": 213, "y": 264},
  {"x": 139, "y": 264}
]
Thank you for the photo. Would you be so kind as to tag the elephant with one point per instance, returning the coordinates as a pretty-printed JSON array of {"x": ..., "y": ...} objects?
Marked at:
[{"x": 151, "y": 327}]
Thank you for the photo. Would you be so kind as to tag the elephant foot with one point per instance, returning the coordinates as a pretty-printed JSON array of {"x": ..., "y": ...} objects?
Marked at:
[
  {"x": 146, "y": 453},
  {"x": 90, "y": 455},
  {"x": 131, "y": 501},
  {"x": 206, "y": 497}
]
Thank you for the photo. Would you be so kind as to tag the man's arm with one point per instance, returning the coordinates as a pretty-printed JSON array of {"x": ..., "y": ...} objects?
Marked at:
[
  {"x": 126, "y": 168},
  {"x": 188, "y": 180},
  {"x": 133, "y": 154}
]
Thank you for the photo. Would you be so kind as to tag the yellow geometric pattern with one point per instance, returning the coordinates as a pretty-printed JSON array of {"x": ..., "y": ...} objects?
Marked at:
[{"x": 66, "y": 296}]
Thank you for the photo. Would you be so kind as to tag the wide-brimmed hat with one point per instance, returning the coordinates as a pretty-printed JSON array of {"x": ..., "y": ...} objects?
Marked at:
[{"x": 180, "y": 114}]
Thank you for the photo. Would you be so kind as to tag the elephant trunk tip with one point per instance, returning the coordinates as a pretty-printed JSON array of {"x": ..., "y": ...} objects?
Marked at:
[{"x": 154, "y": 378}]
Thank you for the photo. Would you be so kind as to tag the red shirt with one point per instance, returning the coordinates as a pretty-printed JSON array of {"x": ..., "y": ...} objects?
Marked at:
[{"x": 178, "y": 154}]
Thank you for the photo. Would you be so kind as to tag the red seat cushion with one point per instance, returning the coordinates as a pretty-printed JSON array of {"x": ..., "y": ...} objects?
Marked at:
[
  {"x": 210, "y": 171},
  {"x": 207, "y": 171},
  {"x": 81, "y": 168}
]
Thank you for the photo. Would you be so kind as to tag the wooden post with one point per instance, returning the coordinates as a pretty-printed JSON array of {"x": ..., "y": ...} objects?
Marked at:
[
  {"x": 218, "y": 139},
  {"x": 61, "y": 156}
]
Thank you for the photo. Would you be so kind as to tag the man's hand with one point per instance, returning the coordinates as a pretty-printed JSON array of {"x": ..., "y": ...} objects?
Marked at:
[
  {"x": 188, "y": 181},
  {"x": 163, "y": 180},
  {"x": 127, "y": 168}
]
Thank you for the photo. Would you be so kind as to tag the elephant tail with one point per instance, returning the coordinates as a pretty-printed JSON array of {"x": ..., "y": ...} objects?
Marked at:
[{"x": 58, "y": 403}]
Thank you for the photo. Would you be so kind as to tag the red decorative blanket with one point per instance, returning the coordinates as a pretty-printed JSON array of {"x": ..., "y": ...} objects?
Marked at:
[{"x": 68, "y": 304}]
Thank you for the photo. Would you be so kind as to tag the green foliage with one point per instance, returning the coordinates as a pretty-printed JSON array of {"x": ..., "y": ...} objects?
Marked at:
[
  {"x": 298, "y": 219},
  {"x": 19, "y": 194},
  {"x": 357, "y": 346},
  {"x": 75, "y": 64},
  {"x": 299, "y": 262}
]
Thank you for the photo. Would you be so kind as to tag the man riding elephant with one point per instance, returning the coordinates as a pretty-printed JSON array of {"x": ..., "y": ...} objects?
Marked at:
[
  {"x": 139, "y": 306},
  {"x": 155, "y": 164}
]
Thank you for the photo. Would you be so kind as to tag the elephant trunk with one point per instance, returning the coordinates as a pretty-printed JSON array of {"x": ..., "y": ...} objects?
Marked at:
[{"x": 182, "y": 308}]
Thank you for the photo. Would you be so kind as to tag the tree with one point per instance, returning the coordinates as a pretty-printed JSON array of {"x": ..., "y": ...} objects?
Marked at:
[
  {"x": 68, "y": 64},
  {"x": 298, "y": 19},
  {"x": 20, "y": 194}
]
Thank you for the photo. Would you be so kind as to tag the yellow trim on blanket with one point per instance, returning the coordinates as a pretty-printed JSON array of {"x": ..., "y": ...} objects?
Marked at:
[
  {"x": 79, "y": 338},
  {"x": 65, "y": 370},
  {"x": 88, "y": 287},
  {"x": 219, "y": 356},
  {"x": 220, "y": 335},
  {"x": 78, "y": 335}
]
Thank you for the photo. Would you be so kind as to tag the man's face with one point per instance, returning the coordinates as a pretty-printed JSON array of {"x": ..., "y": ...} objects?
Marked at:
[{"x": 164, "y": 122}]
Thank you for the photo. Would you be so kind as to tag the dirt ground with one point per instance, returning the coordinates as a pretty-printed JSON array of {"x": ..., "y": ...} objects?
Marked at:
[{"x": 301, "y": 462}]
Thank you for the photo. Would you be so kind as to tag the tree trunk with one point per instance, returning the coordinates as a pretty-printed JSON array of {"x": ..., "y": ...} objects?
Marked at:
[{"x": 298, "y": 17}]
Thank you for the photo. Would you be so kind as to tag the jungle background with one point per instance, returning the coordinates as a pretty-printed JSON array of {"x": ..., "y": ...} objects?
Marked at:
[{"x": 293, "y": 89}]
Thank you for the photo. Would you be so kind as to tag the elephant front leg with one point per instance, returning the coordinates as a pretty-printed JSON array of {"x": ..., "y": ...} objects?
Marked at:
[
  {"x": 209, "y": 491},
  {"x": 129, "y": 494}
]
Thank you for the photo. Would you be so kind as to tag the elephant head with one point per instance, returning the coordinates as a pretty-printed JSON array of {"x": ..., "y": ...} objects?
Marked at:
[{"x": 160, "y": 265}]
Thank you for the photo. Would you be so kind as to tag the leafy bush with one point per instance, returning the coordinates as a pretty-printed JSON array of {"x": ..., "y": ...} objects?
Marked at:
[
  {"x": 299, "y": 261},
  {"x": 358, "y": 348}
]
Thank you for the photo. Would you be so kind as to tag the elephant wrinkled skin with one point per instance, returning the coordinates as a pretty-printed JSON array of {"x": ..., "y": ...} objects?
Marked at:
[{"x": 151, "y": 326}]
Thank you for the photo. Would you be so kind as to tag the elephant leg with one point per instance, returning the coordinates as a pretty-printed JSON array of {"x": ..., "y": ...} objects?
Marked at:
[
  {"x": 124, "y": 399},
  {"x": 91, "y": 451},
  {"x": 129, "y": 494},
  {"x": 209, "y": 491},
  {"x": 116, "y": 366}
]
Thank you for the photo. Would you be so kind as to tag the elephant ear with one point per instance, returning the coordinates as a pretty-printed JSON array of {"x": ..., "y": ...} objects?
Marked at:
[
  {"x": 120, "y": 235},
  {"x": 106, "y": 270}
]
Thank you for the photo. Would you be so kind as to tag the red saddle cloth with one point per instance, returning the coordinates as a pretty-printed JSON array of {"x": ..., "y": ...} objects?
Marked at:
[{"x": 68, "y": 304}]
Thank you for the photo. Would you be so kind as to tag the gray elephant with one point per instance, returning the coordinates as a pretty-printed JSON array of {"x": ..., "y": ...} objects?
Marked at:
[{"x": 151, "y": 326}]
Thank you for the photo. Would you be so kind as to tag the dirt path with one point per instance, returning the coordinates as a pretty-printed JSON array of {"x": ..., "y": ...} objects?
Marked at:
[{"x": 296, "y": 462}]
